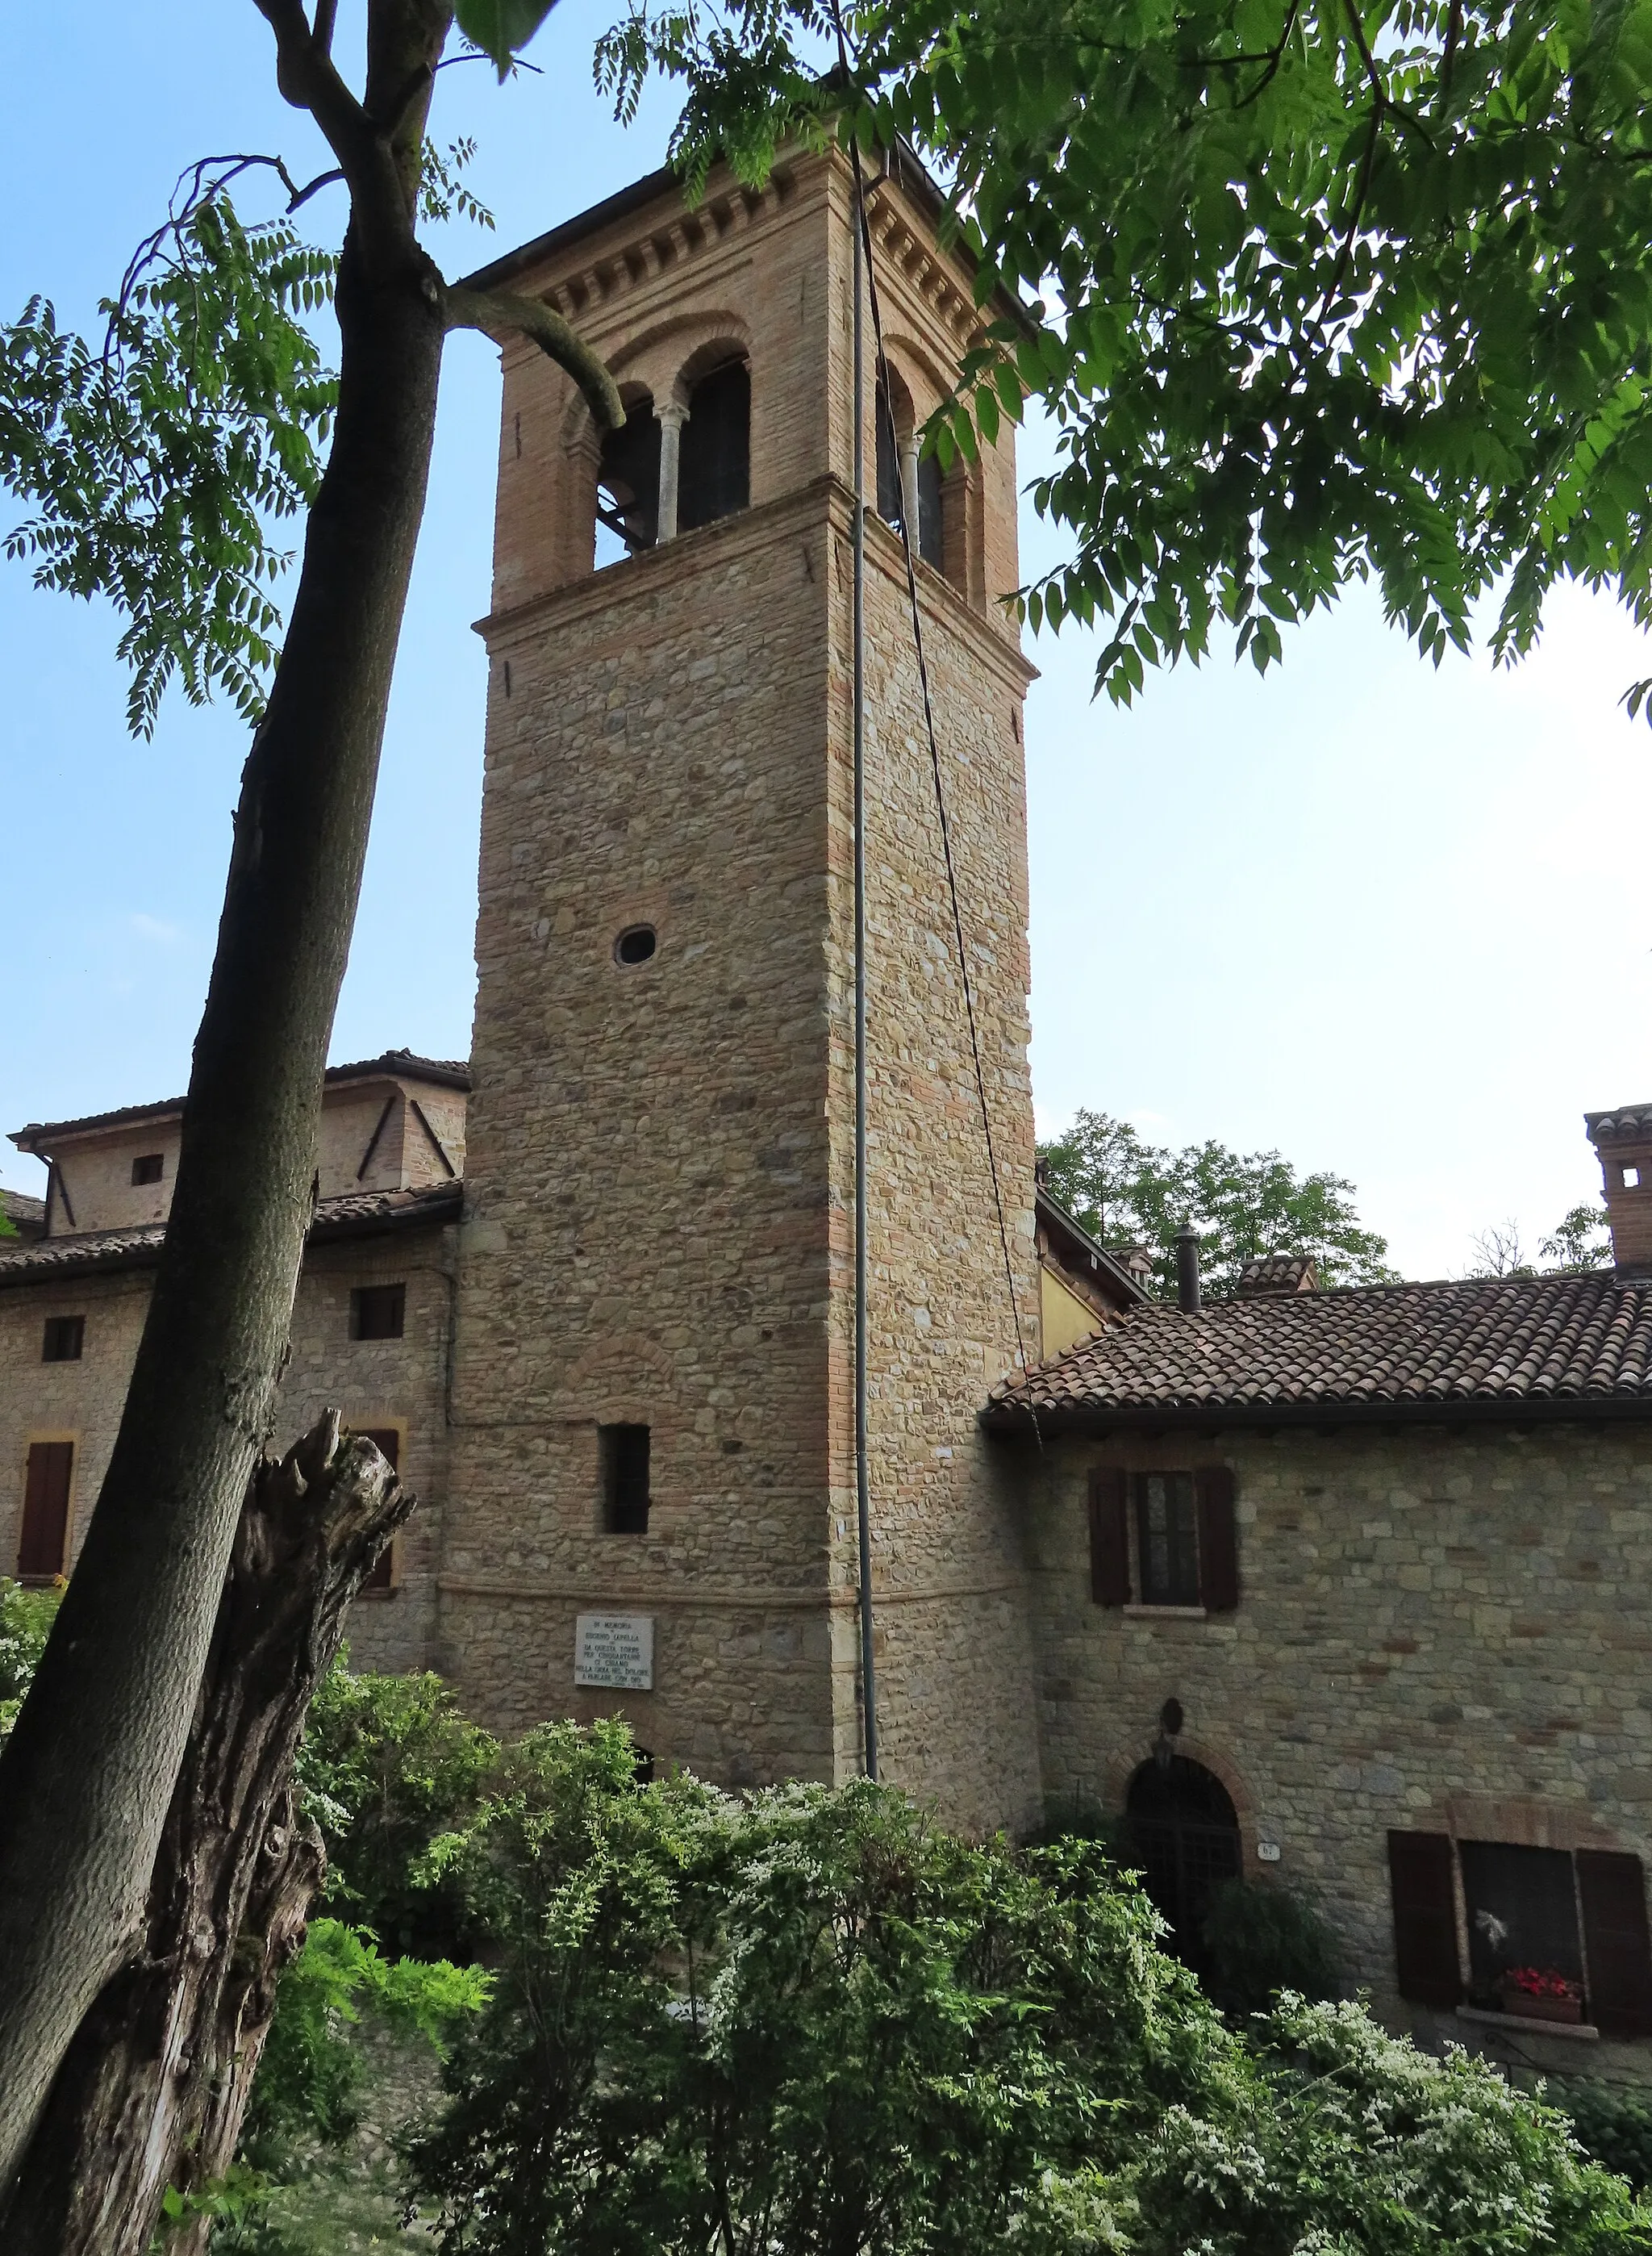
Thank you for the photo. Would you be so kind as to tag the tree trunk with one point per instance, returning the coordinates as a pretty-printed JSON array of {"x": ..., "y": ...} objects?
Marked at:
[
  {"x": 153, "y": 2087},
  {"x": 85, "y": 1777}
]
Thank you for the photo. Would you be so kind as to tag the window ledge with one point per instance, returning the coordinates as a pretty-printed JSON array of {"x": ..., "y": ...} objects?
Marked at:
[
  {"x": 1166, "y": 1613},
  {"x": 1488, "y": 2017}
]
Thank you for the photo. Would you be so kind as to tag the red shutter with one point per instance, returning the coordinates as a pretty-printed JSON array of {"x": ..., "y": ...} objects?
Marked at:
[
  {"x": 1218, "y": 1539},
  {"x": 1613, "y": 1892},
  {"x": 1425, "y": 1918},
  {"x": 389, "y": 1444},
  {"x": 1109, "y": 1539},
  {"x": 46, "y": 1511}
]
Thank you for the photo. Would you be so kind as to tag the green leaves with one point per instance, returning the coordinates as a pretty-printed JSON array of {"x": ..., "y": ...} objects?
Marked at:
[
  {"x": 1126, "y": 1191},
  {"x": 502, "y": 28},
  {"x": 158, "y": 466},
  {"x": 1322, "y": 295}
]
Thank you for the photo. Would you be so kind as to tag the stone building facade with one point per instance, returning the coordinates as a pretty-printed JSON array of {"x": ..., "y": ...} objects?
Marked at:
[{"x": 1342, "y": 1589}]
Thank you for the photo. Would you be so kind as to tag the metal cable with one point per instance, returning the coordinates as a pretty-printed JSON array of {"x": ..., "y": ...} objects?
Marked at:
[{"x": 934, "y": 750}]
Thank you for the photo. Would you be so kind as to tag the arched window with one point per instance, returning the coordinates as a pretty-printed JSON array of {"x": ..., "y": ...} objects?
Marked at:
[
  {"x": 898, "y": 460},
  {"x": 715, "y": 476},
  {"x": 627, "y": 485},
  {"x": 1184, "y": 1832}
]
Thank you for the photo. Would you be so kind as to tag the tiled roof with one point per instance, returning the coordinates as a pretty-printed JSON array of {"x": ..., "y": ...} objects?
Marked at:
[
  {"x": 1495, "y": 1347},
  {"x": 17, "y": 1206},
  {"x": 403, "y": 1065},
  {"x": 358, "y": 1214},
  {"x": 1279, "y": 1272}
]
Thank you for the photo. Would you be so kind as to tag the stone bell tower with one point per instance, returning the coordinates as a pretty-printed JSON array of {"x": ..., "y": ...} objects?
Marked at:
[{"x": 652, "y": 1496}]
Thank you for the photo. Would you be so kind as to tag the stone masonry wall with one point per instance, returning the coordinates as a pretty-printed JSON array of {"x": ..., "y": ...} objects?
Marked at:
[
  {"x": 657, "y": 1187},
  {"x": 375, "y": 1383},
  {"x": 1441, "y": 1631}
]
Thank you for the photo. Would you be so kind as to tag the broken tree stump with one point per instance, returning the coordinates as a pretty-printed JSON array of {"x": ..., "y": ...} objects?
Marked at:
[{"x": 153, "y": 2089}]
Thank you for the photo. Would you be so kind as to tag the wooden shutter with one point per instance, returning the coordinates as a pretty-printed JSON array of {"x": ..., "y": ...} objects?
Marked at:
[
  {"x": 1425, "y": 1918},
  {"x": 1218, "y": 1539},
  {"x": 1612, "y": 1894},
  {"x": 1109, "y": 1538},
  {"x": 46, "y": 1511},
  {"x": 389, "y": 1443}
]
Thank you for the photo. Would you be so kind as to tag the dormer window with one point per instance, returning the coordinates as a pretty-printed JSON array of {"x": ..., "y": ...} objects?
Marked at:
[{"x": 149, "y": 1168}]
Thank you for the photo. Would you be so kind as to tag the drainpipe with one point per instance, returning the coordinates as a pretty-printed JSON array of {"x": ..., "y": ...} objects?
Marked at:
[{"x": 1187, "y": 1291}]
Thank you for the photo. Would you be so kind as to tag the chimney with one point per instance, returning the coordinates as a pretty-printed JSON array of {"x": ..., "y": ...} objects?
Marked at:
[
  {"x": 1187, "y": 1269},
  {"x": 1623, "y": 1146}
]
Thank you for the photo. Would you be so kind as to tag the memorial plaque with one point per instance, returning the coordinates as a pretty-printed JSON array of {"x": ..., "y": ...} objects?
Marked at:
[{"x": 616, "y": 1650}]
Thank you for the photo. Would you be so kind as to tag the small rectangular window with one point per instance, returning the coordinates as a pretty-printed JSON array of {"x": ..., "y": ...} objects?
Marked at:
[
  {"x": 65, "y": 1338},
  {"x": 377, "y": 1311},
  {"x": 149, "y": 1168},
  {"x": 1632, "y": 1179},
  {"x": 1167, "y": 1538},
  {"x": 623, "y": 1456}
]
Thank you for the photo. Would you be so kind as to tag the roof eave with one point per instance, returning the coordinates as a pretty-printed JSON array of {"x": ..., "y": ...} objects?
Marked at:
[{"x": 1205, "y": 1417}]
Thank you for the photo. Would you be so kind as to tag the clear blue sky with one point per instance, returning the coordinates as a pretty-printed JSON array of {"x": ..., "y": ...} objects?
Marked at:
[{"x": 1390, "y": 921}]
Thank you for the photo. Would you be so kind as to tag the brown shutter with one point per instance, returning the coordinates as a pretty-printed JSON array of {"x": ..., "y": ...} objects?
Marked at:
[
  {"x": 1218, "y": 1539},
  {"x": 1425, "y": 1918},
  {"x": 1613, "y": 1892},
  {"x": 45, "y": 1511},
  {"x": 389, "y": 1443},
  {"x": 1109, "y": 1540}
]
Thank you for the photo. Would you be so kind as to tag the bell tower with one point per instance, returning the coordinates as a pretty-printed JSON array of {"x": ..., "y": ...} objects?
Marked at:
[{"x": 652, "y": 1504}]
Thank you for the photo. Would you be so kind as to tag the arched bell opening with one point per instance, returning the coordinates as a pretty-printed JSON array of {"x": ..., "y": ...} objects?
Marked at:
[
  {"x": 627, "y": 482},
  {"x": 1184, "y": 1836},
  {"x": 714, "y": 470},
  {"x": 909, "y": 483}
]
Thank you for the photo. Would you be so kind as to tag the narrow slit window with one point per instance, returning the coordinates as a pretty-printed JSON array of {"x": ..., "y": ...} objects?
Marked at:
[
  {"x": 378, "y": 1312},
  {"x": 623, "y": 1453},
  {"x": 65, "y": 1339}
]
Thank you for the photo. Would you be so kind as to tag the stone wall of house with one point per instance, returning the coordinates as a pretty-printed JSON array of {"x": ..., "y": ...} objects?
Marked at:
[
  {"x": 658, "y": 1186},
  {"x": 1441, "y": 1631},
  {"x": 375, "y": 1384}
]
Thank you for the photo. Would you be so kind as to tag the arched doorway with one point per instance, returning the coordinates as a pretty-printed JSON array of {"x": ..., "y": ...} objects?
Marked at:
[{"x": 1183, "y": 1833}]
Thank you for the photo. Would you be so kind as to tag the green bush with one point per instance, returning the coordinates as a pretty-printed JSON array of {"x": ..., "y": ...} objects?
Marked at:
[
  {"x": 26, "y": 1623},
  {"x": 813, "y": 2021},
  {"x": 1613, "y": 2124},
  {"x": 1078, "y": 1817},
  {"x": 1263, "y": 1939},
  {"x": 387, "y": 1764}
]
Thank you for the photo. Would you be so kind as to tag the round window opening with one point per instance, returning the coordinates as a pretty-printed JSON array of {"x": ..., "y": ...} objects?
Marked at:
[{"x": 636, "y": 945}]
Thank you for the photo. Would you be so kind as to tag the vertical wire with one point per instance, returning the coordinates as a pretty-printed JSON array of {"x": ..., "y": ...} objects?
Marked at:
[{"x": 862, "y": 1329}]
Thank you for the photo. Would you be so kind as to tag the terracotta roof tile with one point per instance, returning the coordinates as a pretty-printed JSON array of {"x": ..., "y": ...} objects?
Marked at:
[
  {"x": 357, "y": 1214},
  {"x": 1537, "y": 1346}
]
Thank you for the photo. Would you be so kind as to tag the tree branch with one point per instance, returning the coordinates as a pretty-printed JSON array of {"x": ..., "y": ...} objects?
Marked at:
[
  {"x": 493, "y": 310},
  {"x": 308, "y": 80}
]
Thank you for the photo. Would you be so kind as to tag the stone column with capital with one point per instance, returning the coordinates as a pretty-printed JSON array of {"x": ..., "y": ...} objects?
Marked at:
[{"x": 671, "y": 419}]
